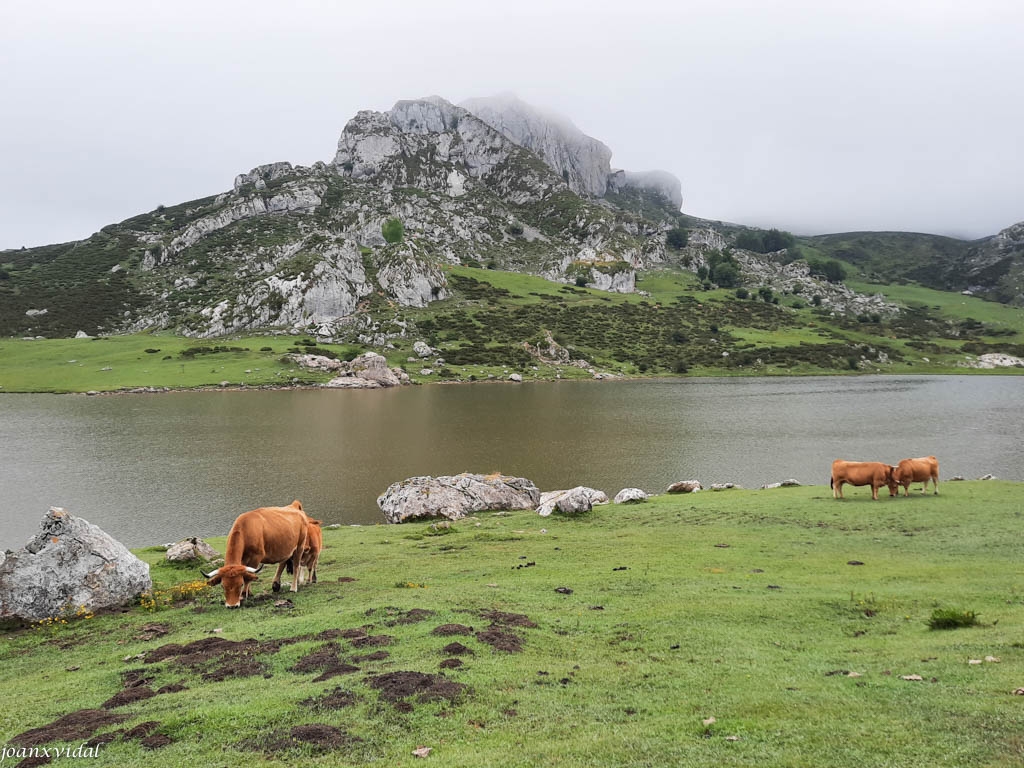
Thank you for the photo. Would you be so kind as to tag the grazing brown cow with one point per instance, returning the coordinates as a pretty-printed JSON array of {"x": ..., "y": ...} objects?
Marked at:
[
  {"x": 873, "y": 473},
  {"x": 912, "y": 470},
  {"x": 311, "y": 554},
  {"x": 265, "y": 535}
]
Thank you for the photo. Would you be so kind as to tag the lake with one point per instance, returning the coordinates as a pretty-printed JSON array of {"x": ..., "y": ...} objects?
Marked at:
[{"x": 151, "y": 469}]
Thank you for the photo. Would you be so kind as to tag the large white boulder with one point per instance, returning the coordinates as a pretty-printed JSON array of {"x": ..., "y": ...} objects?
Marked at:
[
  {"x": 69, "y": 565},
  {"x": 456, "y": 496},
  {"x": 571, "y": 501},
  {"x": 630, "y": 496}
]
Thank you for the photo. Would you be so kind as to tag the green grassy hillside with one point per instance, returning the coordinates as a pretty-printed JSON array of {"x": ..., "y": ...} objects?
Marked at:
[
  {"x": 744, "y": 628},
  {"x": 493, "y": 319}
]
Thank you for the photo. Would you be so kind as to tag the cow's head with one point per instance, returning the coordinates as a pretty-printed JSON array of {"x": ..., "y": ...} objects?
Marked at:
[
  {"x": 235, "y": 580},
  {"x": 892, "y": 480}
]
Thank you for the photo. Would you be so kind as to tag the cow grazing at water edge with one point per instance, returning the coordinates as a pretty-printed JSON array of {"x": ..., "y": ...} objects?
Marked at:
[
  {"x": 265, "y": 535},
  {"x": 311, "y": 554},
  {"x": 873, "y": 473},
  {"x": 914, "y": 470}
]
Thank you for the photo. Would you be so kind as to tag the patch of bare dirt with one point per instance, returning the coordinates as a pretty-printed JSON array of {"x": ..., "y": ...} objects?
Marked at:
[
  {"x": 411, "y": 616},
  {"x": 128, "y": 696},
  {"x": 450, "y": 664},
  {"x": 75, "y": 726},
  {"x": 219, "y": 659},
  {"x": 326, "y": 660},
  {"x": 133, "y": 678},
  {"x": 153, "y": 630},
  {"x": 508, "y": 619},
  {"x": 142, "y": 730},
  {"x": 396, "y": 686},
  {"x": 500, "y": 639},
  {"x": 457, "y": 649},
  {"x": 336, "y": 698},
  {"x": 322, "y": 739},
  {"x": 172, "y": 688},
  {"x": 372, "y": 641},
  {"x": 375, "y": 656},
  {"x": 156, "y": 741},
  {"x": 448, "y": 630}
]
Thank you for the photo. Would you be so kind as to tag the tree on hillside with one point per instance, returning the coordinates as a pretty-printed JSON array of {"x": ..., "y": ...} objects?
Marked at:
[
  {"x": 677, "y": 237},
  {"x": 393, "y": 230}
]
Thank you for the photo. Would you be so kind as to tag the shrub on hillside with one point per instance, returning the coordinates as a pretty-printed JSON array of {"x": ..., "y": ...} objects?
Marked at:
[{"x": 393, "y": 230}]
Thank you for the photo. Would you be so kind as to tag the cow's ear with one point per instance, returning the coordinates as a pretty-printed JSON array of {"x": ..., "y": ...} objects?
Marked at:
[
  {"x": 250, "y": 577},
  {"x": 214, "y": 581}
]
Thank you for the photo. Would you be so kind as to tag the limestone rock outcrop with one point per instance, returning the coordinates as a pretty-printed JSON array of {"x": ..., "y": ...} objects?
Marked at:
[
  {"x": 455, "y": 497},
  {"x": 191, "y": 549},
  {"x": 571, "y": 501},
  {"x": 630, "y": 496},
  {"x": 69, "y": 566}
]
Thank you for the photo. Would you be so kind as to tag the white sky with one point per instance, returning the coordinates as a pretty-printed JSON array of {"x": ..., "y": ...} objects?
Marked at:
[{"x": 812, "y": 116}]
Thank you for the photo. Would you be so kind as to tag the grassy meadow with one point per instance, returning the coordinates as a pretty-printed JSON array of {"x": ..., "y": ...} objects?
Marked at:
[
  {"x": 483, "y": 332},
  {"x": 739, "y": 628}
]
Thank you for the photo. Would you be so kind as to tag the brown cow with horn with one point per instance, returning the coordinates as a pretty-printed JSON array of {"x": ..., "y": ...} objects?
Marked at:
[
  {"x": 913, "y": 470},
  {"x": 264, "y": 535},
  {"x": 873, "y": 473}
]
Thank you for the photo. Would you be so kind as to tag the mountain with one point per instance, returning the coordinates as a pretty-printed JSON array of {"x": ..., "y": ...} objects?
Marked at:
[{"x": 348, "y": 246}]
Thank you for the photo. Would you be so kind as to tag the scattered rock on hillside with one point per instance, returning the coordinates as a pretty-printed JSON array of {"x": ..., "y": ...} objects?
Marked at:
[
  {"x": 630, "y": 496},
  {"x": 192, "y": 548},
  {"x": 571, "y": 501},
  {"x": 368, "y": 371},
  {"x": 784, "y": 484},
  {"x": 723, "y": 486},
  {"x": 68, "y": 565},
  {"x": 456, "y": 496},
  {"x": 685, "y": 486}
]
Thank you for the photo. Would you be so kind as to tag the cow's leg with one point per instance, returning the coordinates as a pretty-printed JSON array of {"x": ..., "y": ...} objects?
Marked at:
[
  {"x": 296, "y": 568},
  {"x": 874, "y": 492},
  {"x": 276, "y": 586},
  {"x": 316, "y": 561},
  {"x": 935, "y": 485}
]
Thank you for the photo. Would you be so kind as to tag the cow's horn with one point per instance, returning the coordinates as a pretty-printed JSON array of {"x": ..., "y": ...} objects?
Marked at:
[
  {"x": 255, "y": 570},
  {"x": 211, "y": 574}
]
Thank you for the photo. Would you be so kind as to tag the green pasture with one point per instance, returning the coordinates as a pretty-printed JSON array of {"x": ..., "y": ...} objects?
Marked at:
[{"x": 740, "y": 628}]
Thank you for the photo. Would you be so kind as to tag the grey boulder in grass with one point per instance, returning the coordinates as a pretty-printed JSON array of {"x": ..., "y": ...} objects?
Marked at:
[{"x": 456, "y": 496}]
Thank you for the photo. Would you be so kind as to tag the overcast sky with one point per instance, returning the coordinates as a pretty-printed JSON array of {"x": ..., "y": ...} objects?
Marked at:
[{"x": 811, "y": 116}]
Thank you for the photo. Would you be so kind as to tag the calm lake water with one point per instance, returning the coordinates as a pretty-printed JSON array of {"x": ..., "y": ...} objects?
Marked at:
[{"x": 150, "y": 469}]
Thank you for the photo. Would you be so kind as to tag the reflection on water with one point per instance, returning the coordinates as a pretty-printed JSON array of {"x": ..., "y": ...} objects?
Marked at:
[{"x": 155, "y": 468}]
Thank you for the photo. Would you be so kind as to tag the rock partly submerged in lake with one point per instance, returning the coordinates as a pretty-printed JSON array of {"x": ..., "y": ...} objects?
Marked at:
[
  {"x": 71, "y": 565},
  {"x": 456, "y": 496},
  {"x": 368, "y": 371},
  {"x": 571, "y": 501}
]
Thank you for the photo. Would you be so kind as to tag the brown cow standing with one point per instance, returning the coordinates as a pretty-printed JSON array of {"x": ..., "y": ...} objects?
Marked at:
[
  {"x": 311, "y": 554},
  {"x": 913, "y": 470},
  {"x": 264, "y": 535},
  {"x": 873, "y": 473}
]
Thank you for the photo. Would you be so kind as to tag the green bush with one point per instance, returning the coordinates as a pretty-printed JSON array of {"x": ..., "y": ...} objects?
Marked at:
[
  {"x": 742, "y": 293},
  {"x": 393, "y": 230},
  {"x": 677, "y": 238},
  {"x": 949, "y": 618}
]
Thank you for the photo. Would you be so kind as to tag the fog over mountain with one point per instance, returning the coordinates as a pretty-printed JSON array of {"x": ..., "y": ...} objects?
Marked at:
[{"x": 853, "y": 116}]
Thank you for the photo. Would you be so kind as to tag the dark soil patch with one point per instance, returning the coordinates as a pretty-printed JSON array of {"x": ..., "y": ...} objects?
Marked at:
[
  {"x": 156, "y": 741},
  {"x": 395, "y": 686},
  {"x": 129, "y": 695},
  {"x": 500, "y": 640},
  {"x": 133, "y": 678},
  {"x": 508, "y": 619},
  {"x": 372, "y": 641},
  {"x": 75, "y": 726},
  {"x": 153, "y": 630},
  {"x": 326, "y": 660},
  {"x": 142, "y": 730},
  {"x": 451, "y": 664},
  {"x": 346, "y": 579},
  {"x": 336, "y": 698},
  {"x": 321, "y": 738},
  {"x": 220, "y": 659},
  {"x": 375, "y": 656},
  {"x": 104, "y": 738},
  {"x": 448, "y": 630},
  {"x": 172, "y": 688},
  {"x": 411, "y": 616},
  {"x": 457, "y": 649}
]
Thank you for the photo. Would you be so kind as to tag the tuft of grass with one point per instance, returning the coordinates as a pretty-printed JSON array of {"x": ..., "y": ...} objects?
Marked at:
[{"x": 952, "y": 618}]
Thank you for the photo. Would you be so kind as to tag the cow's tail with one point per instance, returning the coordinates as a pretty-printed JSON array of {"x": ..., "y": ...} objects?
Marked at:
[
  {"x": 830, "y": 481},
  {"x": 288, "y": 566}
]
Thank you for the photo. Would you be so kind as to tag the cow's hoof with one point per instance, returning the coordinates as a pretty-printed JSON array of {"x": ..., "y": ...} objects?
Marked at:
[{"x": 276, "y": 587}]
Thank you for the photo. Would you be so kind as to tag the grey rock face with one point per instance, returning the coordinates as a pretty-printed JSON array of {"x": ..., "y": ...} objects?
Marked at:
[
  {"x": 368, "y": 371},
  {"x": 192, "y": 548},
  {"x": 68, "y": 565},
  {"x": 630, "y": 496},
  {"x": 584, "y": 162},
  {"x": 685, "y": 486},
  {"x": 660, "y": 182},
  {"x": 571, "y": 501},
  {"x": 454, "y": 497}
]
